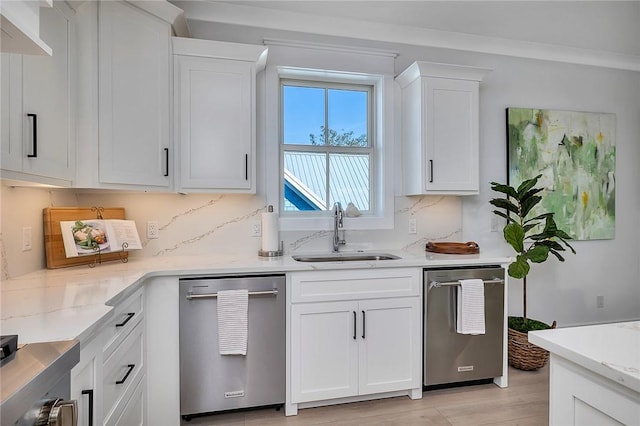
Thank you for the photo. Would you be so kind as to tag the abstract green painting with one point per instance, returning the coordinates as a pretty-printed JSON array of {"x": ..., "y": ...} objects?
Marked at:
[{"x": 576, "y": 154}]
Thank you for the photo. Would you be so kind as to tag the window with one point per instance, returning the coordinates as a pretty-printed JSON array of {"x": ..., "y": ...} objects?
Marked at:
[
  {"x": 327, "y": 145},
  {"x": 307, "y": 88}
]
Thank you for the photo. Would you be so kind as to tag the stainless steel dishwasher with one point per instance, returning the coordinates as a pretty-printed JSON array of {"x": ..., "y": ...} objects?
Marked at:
[
  {"x": 210, "y": 382},
  {"x": 450, "y": 357}
]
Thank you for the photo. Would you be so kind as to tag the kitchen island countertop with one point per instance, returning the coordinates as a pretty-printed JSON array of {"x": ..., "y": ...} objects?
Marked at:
[
  {"x": 609, "y": 350},
  {"x": 72, "y": 303}
]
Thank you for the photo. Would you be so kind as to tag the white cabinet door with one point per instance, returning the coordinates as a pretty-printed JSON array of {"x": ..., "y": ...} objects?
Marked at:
[
  {"x": 440, "y": 132},
  {"x": 134, "y": 85},
  {"x": 390, "y": 345},
  {"x": 215, "y": 123},
  {"x": 37, "y": 137},
  {"x": 46, "y": 88},
  {"x": 324, "y": 351},
  {"x": 451, "y": 144},
  {"x": 11, "y": 104},
  {"x": 86, "y": 383}
]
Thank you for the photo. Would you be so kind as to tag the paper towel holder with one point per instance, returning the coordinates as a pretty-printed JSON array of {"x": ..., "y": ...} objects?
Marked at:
[{"x": 272, "y": 253}]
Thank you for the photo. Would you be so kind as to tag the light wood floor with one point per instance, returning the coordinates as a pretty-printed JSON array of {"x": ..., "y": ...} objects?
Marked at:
[{"x": 525, "y": 402}]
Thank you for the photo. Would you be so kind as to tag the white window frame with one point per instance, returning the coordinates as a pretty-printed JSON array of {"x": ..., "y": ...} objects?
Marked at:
[
  {"x": 318, "y": 63},
  {"x": 329, "y": 149}
]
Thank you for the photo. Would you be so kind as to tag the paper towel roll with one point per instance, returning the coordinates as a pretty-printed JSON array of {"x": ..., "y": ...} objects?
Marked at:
[{"x": 270, "y": 231}]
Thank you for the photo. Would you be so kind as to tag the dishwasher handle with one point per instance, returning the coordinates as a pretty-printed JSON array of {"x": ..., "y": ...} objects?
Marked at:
[
  {"x": 190, "y": 295},
  {"x": 437, "y": 284}
]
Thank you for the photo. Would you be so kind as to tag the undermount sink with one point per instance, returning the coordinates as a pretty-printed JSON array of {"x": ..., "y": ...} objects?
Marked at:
[{"x": 344, "y": 257}]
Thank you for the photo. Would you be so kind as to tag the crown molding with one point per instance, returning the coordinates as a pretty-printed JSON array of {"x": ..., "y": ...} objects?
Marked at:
[{"x": 292, "y": 21}]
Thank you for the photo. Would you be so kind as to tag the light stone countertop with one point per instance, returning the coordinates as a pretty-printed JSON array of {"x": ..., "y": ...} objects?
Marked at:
[
  {"x": 72, "y": 303},
  {"x": 610, "y": 350}
]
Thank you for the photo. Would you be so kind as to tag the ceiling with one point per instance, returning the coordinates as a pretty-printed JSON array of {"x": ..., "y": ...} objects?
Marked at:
[{"x": 609, "y": 27}]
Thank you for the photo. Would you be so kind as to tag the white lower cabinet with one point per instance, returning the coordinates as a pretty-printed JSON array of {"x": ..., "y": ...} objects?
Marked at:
[
  {"x": 86, "y": 385},
  {"x": 580, "y": 397},
  {"x": 109, "y": 381},
  {"x": 364, "y": 344},
  {"x": 133, "y": 412}
]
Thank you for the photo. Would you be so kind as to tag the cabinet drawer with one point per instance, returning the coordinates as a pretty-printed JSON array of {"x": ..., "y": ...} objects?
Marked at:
[
  {"x": 127, "y": 315},
  {"x": 122, "y": 369},
  {"x": 131, "y": 411},
  {"x": 354, "y": 284}
]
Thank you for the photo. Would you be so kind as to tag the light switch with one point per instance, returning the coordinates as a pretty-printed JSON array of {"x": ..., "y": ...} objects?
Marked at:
[{"x": 26, "y": 238}]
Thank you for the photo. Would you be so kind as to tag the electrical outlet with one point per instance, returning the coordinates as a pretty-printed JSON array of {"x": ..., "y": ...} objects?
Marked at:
[
  {"x": 152, "y": 230},
  {"x": 599, "y": 301},
  {"x": 494, "y": 224},
  {"x": 256, "y": 229},
  {"x": 413, "y": 226},
  {"x": 26, "y": 238}
]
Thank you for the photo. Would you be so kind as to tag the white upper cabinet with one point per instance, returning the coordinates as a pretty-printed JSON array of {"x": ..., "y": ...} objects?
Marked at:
[
  {"x": 440, "y": 128},
  {"x": 215, "y": 115},
  {"x": 134, "y": 65},
  {"x": 38, "y": 142},
  {"x": 20, "y": 23}
]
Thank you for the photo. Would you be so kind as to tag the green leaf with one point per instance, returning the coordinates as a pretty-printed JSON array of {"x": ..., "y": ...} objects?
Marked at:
[
  {"x": 538, "y": 253},
  {"x": 528, "y": 227},
  {"x": 542, "y": 216},
  {"x": 556, "y": 254},
  {"x": 530, "y": 194},
  {"x": 528, "y": 204},
  {"x": 527, "y": 185},
  {"x": 503, "y": 203},
  {"x": 499, "y": 213},
  {"x": 551, "y": 244},
  {"x": 514, "y": 235},
  {"x": 505, "y": 189},
  {"x": 520, "y": 268},
  {"x": 561, "y": 234}
]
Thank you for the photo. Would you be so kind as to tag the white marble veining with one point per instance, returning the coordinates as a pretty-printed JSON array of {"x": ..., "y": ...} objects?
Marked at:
[
  {"x": 611, "y": 350},
  {"x": 71, "y": 303}
]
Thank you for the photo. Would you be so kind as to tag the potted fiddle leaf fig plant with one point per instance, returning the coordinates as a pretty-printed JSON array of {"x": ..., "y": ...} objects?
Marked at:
[{"x": 533, "y": 238}]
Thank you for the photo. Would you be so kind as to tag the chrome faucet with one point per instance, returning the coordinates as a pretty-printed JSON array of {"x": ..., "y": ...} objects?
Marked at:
[{"x": 338, "y": 215}]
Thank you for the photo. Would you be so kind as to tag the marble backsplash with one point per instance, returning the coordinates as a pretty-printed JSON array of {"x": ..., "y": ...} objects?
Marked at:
[{"x": 210, "y": 223}]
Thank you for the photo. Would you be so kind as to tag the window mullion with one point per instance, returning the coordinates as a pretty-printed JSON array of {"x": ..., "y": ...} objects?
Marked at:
[{"x": 326, "y": 142}]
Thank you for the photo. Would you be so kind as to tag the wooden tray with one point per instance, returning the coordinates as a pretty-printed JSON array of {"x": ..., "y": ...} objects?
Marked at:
[
  {"x": 469, "y": 247},
  {"x": 54, "y": 247}
]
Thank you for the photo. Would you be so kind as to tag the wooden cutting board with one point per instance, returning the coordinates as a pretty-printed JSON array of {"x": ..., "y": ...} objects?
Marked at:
[{"x": 54, "y": 247}]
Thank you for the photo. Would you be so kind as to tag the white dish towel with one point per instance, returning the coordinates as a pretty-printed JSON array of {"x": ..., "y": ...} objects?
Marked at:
[
  {"x": 232, "y": 322},
  {"x": 470, "y": 312}
]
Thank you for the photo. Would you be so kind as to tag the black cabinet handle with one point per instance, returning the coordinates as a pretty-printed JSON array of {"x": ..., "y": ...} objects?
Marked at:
[
  {"x": 355, "y": 321},
  {"x": 90, "y": 393},
  {"x": 166, "y": 161},
  {"x": 246, "y": 167},
  {"x": 430, "y": 171},
  {"x": 129, "y": 316},
  {"x": 34, "y": 122},
  {"x": 124, "y": 379},
  {"x": 363, "y": 323}
]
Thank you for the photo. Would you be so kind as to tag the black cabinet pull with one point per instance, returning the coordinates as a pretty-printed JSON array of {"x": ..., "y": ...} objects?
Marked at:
[
  {"x": 166, "y": 161},
  {"x": 90, "y": 393},
  {"x": 430, "y": 171},
  {"x": 129, "y": 316},
  {"x": 124, "y": 379},
  {"x": 363, "y": 324},
  {"x": 355, "y": 321},
  {"x": 34, "y": 122},
  {"x": 246, "y": 167}
]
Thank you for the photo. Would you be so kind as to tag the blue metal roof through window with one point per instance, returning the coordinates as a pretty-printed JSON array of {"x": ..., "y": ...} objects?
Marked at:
[{"x": 305, "y": 180}]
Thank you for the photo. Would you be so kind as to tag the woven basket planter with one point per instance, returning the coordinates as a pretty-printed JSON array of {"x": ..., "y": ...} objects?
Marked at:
[{"x": 524, "y": 355}]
